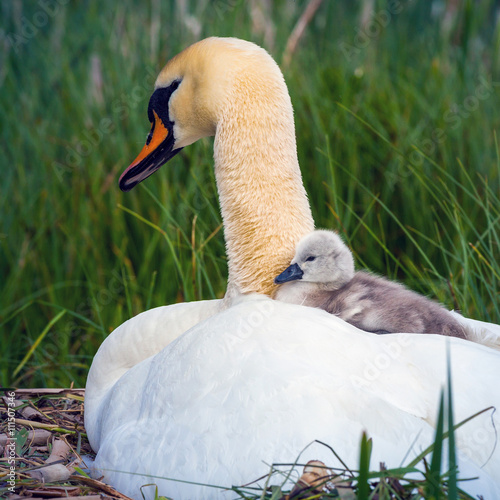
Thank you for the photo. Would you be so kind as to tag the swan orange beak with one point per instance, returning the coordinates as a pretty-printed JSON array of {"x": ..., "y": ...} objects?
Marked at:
[{"x": 157, "y": 151}]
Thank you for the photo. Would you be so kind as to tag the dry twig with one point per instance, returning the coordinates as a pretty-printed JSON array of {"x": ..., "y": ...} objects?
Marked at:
[{"x": 299, "y": 30}]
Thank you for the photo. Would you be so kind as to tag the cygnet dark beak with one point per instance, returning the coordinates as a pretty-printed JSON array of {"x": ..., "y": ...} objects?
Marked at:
[{"x": 291, "y": 273}]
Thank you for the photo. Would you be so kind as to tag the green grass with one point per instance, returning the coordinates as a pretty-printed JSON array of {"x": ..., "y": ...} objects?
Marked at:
[{"x": 398, "y": 146}]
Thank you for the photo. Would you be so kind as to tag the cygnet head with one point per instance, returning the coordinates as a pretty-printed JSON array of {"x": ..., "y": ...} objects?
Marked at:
[{"x": 321, "y": 257}]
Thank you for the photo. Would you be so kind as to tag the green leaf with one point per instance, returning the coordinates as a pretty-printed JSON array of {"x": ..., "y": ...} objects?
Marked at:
[
  {"x": 452, "y": 458},
  {"x": 434, "y": 475},
  {"x": 37, "y": 342},
  {"x": 364, "y": 467}
]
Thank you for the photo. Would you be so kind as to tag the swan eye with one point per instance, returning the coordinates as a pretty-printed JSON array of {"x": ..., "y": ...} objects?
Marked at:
[
  {"x": 310, "y": 258},
  {"x": 159, "y": 103},
  {"x": 174, "y": 85}
]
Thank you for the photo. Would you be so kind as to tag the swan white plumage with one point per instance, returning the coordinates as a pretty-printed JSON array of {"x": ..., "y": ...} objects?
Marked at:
[{"x": 211, "y": 391}]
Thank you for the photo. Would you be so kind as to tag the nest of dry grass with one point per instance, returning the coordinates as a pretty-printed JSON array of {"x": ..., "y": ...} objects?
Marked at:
[{"x": 43, "y": 445}]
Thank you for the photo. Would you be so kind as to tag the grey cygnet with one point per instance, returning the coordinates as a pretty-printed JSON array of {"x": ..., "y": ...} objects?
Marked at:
[{"x": 322, "y": 275}]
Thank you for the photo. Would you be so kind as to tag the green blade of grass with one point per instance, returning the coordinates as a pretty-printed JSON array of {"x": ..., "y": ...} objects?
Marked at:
[
  {"x": 37, "y": 342},
  {"x": 364, "y": 467},
  {"x": 429, "y": 449},
  {"x": 433, "y": 489},
  {"x": 452, "y": 458}
]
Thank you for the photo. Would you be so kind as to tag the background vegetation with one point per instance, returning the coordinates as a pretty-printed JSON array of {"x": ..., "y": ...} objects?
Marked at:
[{"x": 396, "y": 107}]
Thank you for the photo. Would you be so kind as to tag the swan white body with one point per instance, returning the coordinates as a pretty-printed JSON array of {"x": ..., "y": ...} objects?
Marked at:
[
  {"x": 255, "y": 384},
  {"x": 214, "y": 392}
]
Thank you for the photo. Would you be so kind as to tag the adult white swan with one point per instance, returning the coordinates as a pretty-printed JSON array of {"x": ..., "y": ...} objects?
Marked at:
[{"x": 209, "y": 393}]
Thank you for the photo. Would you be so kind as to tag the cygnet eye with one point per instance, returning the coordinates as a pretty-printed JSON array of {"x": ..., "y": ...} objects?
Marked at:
[{"x": 310, "y": 258}]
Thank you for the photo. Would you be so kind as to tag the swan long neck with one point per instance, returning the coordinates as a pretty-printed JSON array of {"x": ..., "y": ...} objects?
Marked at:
[{"x": 263, "y": 202}]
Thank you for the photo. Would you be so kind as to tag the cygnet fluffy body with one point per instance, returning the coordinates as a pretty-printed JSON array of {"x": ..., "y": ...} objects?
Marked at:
[{"x": 322, "y": 275}]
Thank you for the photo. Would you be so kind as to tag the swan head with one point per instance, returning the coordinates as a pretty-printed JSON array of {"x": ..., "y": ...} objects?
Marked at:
[
  {"x": 188, "y": 100},
  {"x": 321, "y": 257},
  {"x": 234, "y": 90}
]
